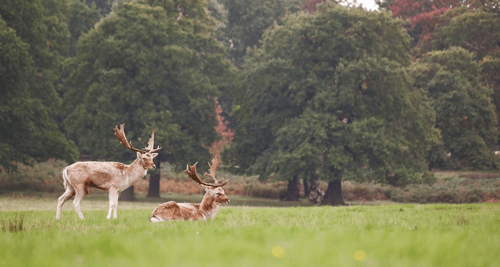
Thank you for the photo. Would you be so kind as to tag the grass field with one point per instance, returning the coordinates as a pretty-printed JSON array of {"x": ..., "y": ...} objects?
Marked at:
[{"x": 384, "y": 235}]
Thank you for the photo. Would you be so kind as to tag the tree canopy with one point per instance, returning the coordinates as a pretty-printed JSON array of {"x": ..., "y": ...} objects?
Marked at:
[
  {"x": 328, "y": 94},
  {"x": 139, "y": 67},
  {"x": 30, "y": 45},
  {"x": 247, "y": 21},
  {"x": 465, "y": 113}
]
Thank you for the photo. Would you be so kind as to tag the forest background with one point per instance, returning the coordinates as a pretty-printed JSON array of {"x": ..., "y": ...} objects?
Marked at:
[{"x": 300, "y": 98}]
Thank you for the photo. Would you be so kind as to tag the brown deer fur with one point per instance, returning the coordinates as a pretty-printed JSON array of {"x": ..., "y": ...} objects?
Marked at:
[{"x": 208, "y": 207}]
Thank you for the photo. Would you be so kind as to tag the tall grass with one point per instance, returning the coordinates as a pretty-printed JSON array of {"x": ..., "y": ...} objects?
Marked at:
[{"x": 12, "y": 224}]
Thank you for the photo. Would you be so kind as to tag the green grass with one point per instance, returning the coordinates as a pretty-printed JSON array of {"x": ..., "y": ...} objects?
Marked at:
[{"x": 389, "y": 235}]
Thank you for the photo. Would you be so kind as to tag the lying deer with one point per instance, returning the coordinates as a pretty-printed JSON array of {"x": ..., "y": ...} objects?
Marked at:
[
  {"x": 208, "y": 207},
  {"x": 113, "y": 177}
]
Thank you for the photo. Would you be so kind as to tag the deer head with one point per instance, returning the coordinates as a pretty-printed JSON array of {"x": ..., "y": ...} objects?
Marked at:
[
  {"x": 213, "y": 190},
  {"x": 145, "y": 156}
]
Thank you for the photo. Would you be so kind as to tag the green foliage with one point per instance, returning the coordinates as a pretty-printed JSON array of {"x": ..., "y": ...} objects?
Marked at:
[
  {"x": 474, "y": 30},
  {"x": 328, "y": 95},
  {"x": 219, "y": 13},
  {"x": 465, "y": 114},
  {"x": 247, "y": 21},
  {"x": 28, "y": 129},
  {"x": 103, "y": 6},
  {"x": 147, "y": 69},
  {"x": 81, "y": 19},
  {"x": 384, "y": 4},
  {"x": 490, "y": 69},
  {"x": 41, "y": 25},
  {"x": 392, "y": 235}
]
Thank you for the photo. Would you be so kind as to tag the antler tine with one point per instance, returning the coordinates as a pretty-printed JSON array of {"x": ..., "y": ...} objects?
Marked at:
[
  {"x": 213, "y": 168},
  {"x": 191, "y": 171},
  {"x": 151, "y": 143},
  {"x": 120, "y": 135}
]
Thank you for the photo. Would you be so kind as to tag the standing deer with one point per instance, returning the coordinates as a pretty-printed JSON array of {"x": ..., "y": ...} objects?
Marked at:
[
  {"x": 208, "y": 207},
  {"x": 113, "y": 177}
]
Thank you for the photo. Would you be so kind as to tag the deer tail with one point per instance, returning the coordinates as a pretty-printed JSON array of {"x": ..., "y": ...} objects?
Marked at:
[{"x": 65, "y": 177}]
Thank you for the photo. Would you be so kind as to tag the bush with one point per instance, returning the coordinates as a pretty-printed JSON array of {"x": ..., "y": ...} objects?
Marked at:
[
  {"x": 365, "y": 191},
  {"x": 39, "y": 177},
  {"x": 455, "y": 190},
  {"x": 180, "y": 183},
  {"x": 452, "y": 187},
  {"x": 265, "y": 190}
]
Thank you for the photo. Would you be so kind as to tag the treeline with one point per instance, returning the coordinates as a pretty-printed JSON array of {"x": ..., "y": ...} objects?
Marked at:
[{"x": 312, "y": 89}]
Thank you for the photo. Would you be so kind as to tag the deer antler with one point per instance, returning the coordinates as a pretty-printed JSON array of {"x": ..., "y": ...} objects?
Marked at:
[
  {"x": 120, "y": 134},
  {"x": 151, "y": 142},
  {"x": 213, "y": 169},
  {"x": 191, "y": 171}
]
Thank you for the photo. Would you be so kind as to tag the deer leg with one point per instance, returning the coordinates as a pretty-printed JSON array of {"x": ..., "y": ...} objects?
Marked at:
[
  {"x": 80, "y": 192},
  {"x": 113, "y": 201},
  {"x": 70, "y": 192}
]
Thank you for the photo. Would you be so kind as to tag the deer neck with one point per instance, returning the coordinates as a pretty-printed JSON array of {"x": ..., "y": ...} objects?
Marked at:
[
  {"x": 209, "y": 206},
  {"x": 135, "y": 171}
]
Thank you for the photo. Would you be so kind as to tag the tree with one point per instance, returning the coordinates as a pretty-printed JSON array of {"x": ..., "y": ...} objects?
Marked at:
[
  {"x": 149, "y": 70},
  {"x": 210, "y": 60},
  {"x": 42, "y": 25},
  {"x": 247, "y": 21},
  {"x": 465, "y": 114},
  {"x": 32, "y": 38},
  {"x": 490, "y": 69},
  {"x": 103, "y": 6},
  {"x": 81, "y": 19},
  {"x": 474, "y": 30},
  {"x": 422, "y": 15},
  {"x": 327, "y": 95}
]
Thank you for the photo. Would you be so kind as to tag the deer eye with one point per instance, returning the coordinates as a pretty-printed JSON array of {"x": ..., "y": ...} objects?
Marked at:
[{"x": 218, "y": 194}]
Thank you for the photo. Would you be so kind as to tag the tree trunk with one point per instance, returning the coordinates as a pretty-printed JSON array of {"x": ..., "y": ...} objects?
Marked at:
[
  {"x": 128, "y": 194},
  {"x": 293, "y": 191},
  {"x": 315, "y": 193},
  {"x": 333, "y": 194},
  {"x": 306, "y": 188},
  {"x": 154, "y": 182}
]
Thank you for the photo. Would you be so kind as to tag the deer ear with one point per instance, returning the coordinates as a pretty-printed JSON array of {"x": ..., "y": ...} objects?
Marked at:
[
  {"x": 206, "y": 188},
  {"x": 139, "y": 155},
  {"x": 154, "y": 155}
]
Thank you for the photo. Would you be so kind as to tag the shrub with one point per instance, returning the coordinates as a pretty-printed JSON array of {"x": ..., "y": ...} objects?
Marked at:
[
  {"x": 456, "y": 187},
  {"x": 365, "y": 191},
  {"x": 265, "y": 190},
  {"x": 454, "y": 190},
  {"x": 39, "y": 177},
  {"x": 180, "y": 183}
]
